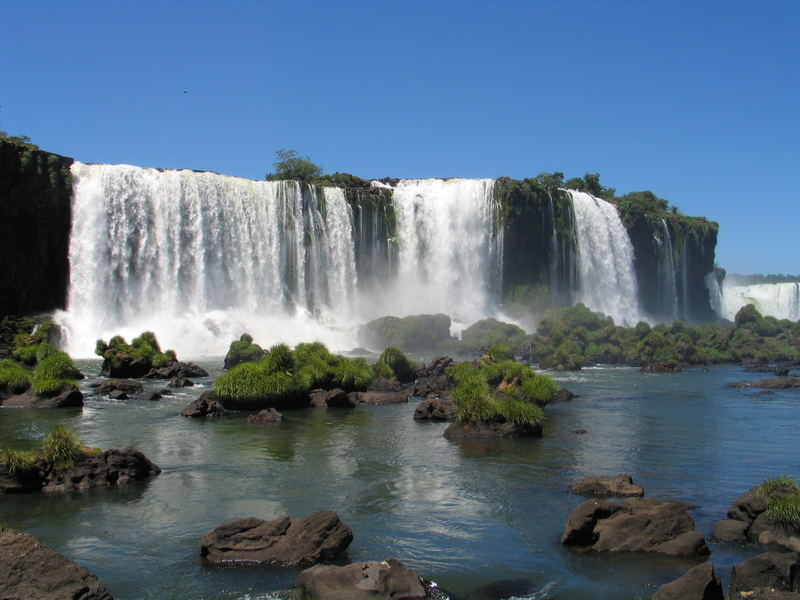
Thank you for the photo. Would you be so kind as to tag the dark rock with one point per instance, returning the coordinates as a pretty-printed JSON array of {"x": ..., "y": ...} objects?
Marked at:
[
  {"x": 779, "y": 541},
  {"x": 104, "y": 469},
  {"x": 435, "y": 409},
  {"x": 637, "y": 525},
  {"x": 765, "y": 594},
  {"x": 731, "y": 530},
  {"x": 383, "y": 384},
  {"x": 103, "y": 388},
  {"x": 165, "y": 392},
  {"x": 580, "y": 431},
  {"x": 68, "y": 397},
  {"x": 282, "y": 542},
  {"x": 152, "y": 396},
  {"x": 432, "y": 385},
  {"x": 491, "y": 429},
  {"x": 507, "y": 588},
  {"x": 177, "y": 369},
  {"x": 382, "y": 398},
  {"x": 31, "y": 570},
  {"x": 267, "y": 415},
  {"x": 773, "y": 383},
  {"x": 334, "y": 398},
  {"x": 207, "y": 405},
  {"x": 564, "y": 395},
  {"x": 126, "y": 366},
  {"x": 776, "y": 570},
  {"x": 118, "y": 395},
  {"x": 699, "y": 583},
  {"x": 386, "y": 580},
  {"x": 661, "y": 367},
  {"x": 180, "y": 382},
  {"x": 620, "y": 485},
  {"x": 748, "y": 506}
]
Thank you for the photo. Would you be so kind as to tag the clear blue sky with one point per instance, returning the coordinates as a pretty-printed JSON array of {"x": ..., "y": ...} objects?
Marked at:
[{"x": 697, "y": 101}]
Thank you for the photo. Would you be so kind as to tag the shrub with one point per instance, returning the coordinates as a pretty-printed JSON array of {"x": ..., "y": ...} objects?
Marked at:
[
  {"x": 501, "y": 351},
  {"x": 18, "y": 460},
  {"x": 243, "y": 350},
  {"x": 144, "y": 346},
  {"x": 54, "y": 373},
  {"x": 279, "y": 358},
  {"x": 785, "y": 510},
  {"x": 61, "y": 446},
  {"x": 14, "y": 377},
  {"x": 394, "y": 363}
]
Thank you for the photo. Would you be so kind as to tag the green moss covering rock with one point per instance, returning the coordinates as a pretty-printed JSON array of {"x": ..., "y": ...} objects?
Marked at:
[
  {"x": 393, "y": 364},
  {"x": 414, "y": 333},
  {"x": 243, "y": 350},
  {"x": 124, "y": 360}
]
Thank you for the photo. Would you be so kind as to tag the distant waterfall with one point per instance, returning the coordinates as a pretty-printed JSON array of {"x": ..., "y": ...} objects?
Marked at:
[
  {"x": 779, "y": 300},
  {"x": 666, "y": 282},
  {"x": 449, "y": 249},
  {"x": 607, "y": 278},
  {"x": 201, "y": 257}
]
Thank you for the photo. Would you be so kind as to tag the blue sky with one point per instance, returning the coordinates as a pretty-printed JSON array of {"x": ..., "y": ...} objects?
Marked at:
[{"x": 697, "y": 101}]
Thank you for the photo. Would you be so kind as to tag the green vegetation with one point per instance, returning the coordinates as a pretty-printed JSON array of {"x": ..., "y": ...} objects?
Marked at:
[
  {"x": 289, "y": 165},
  {"x": 486, "y": 333},
  {"x": 144, "y": 346},
  {"x": 783, "y": 500},
  {"x": 284, "y": 376},
  {"x": 29, "y": 348},
  {"x": 243, "y": 350},
  {"x": 60, "y": 448},
  {"x": 504, "y": 391},
  {"x": 20, "y": 140},
  {"x": 14, "y": 378},
  {"x": 590, "y": 182},
  {"x": 419, "y": 332},
  {"x": 393, "y": 363},
  {"x": 55, "y": 373}
]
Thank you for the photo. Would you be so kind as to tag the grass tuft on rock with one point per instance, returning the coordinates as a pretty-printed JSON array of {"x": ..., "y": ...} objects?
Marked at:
[
  {"x": 785, "y": 510},
  {"x": 394, "y": 363},
  {"x": 17, "y": 461},
  {"x": 61, "y": 446},
  {"x": 14, "y": 377},
  {"x": 54, "y": 373}
]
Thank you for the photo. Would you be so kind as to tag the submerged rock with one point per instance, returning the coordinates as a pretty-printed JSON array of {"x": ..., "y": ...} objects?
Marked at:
[
  {"x": 103, "y": 388},
  {"x": 382, "y": 397},
  {"x": 661, "y": 367},
  {"x": 180, "y": 382},
  {"x": 637, "y": 525},
  {"x": 207, "y": 405},
  {"x": 385, "y": 580},
  {"x": 699, "y": 583},
  {"x": 31, "y": 570},
  {"x": 335, "y": 398},
  {"x": 491, "y": 429},
  {"x": 67, "y": 397},
  {"x": 267, "y": 415},
  {"x": 281, "y": 542},
  {"x": 435, "y": 409},
  {"x": 772, "y": 383},
  {"x": 620, "y": 485}
]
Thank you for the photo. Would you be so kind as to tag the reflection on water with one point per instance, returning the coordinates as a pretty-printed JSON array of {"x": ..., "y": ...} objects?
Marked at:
[{"x": 482, "y": 518}]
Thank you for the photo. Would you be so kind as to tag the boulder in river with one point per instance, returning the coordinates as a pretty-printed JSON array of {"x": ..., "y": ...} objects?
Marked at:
[
  {"x": 636, "y": 525},
  {"x": 620, "y": 485},
  {"x": 699, "y": 583},
  {"x": 177, "y": 369},
  {"x": 748, "y": 521},
  {"x": 382, "y": 398},
  {"x": 771, "y": 383},
  {"x": 335, "y": 398},
  {"x": 385, "y": 580},
  {"x": 491, "y": 429},
  {"x": 435, "y": 409},
  {"x": 779, "y": 571},
  {"x": 103, "y": 388},
  {"x": 266, "y": 415},
  {"x": 282, "y": 542},
  {"x": 207, "y": 405},
  {"x": 66, "y": 397},
  {"x": 31, "y": 570}
]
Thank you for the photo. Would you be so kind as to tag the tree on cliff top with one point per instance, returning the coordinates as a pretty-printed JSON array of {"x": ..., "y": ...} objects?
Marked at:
[
  {"x": 289, "y": 165},
  {"x": 20, "y": 140}
]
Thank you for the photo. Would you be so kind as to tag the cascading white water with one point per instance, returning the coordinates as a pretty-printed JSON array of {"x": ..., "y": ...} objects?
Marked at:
[
  {"x": 779, "y": 300},
  {"x": 450, "y": 250},
  {"x": 607, "y": 278},
  {"x": 199, "y": 258},
  {"x": 667, "y": 282}
]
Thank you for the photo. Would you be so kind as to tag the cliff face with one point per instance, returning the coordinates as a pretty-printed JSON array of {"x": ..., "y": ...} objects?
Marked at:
[
  {"x": 692, "y": 243},
  {"x": 35, "y": 192}
]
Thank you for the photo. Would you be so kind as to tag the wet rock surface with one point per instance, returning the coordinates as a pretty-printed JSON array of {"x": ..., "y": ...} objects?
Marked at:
[
  {"x": 620, "y": 485},
  {"x": 699, "y": 583},
  {"x": 207, "y": 405},
  {"x": 385, "y": 580}
]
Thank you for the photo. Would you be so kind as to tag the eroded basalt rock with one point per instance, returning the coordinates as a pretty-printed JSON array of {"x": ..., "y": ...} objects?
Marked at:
[
  {"x": 31, "y": 570},
  {"x": 177, "y": 369},
  {"x": 491, "y": 429},
  {"x": 748, "y": 521},
  {"x": 335, "y": 398},
  {"x": 779, "y": 571},
  {"x": 385, "y": 580},
  {"x": 207, "y": 405},
  {"x": 699, "y": 583},
  {"x": 282, "y": 542},
  {"x": 103, "y": 388},
  {"x": 435, "y": 409},
  {"x": 636, "y": 525},
  {"x": 67, "y": 397},
  {"x": 267, "y": 415},
  {"x": 382, "y": 398},
  {"x": 620, "y": 485}
]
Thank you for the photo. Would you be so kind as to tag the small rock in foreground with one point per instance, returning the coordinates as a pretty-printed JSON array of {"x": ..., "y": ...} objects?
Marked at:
[
  {"x": 699, "y": 583},
  {"x": 620, "y": 485},
  {"x": 386, "y": 580}
]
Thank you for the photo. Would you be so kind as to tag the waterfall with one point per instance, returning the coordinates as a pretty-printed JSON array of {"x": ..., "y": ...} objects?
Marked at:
[
  {"x": 714, "y": 292},
  {"x": 779, "y": 300},
  {"x": 667, "y": 285},
  {"x": 450, "y": 250},
  {"x": 607, "y": 277},
  {"x": 199, "y": 258}
]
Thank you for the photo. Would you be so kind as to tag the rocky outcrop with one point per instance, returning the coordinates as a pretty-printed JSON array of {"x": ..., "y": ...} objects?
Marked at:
[
  {"x": 380, "y": 398},
  {"x": 491, "y": 429},
  {"x": 771, "y": 383},
  {"x": 104, "y": 469},
  {"x": 661, "y": 367},
  {"x": 385, "y": 580},
  {"x": 435, "y": 409},
  {"x": 748, "y": 522},
  {"x": 281, "y": 542},
  {"x": 620, "y": 485},
  {"x": 637, "y": 525},
  {"x": 779, "y": 571},
  {"x": 699, "y": 583},
  {"x": 31, "y": 570},
  {"x": 412, "y": 333},
  {"x": 68, "y": 397},
  {"x": 181, "y": 382},
  {"x": 103, "y": 388},
  {"x": 207, "y": 405},
  {"x": 267, "y": 415},
  {"x": 177, "y": 369},
  {"x": 35, "y": 221},
  {"x": 334, "y": 398}
]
